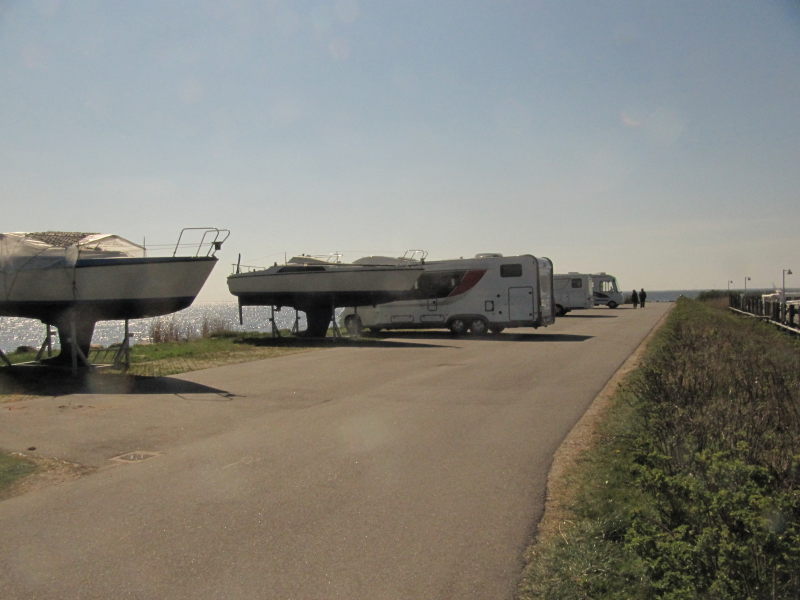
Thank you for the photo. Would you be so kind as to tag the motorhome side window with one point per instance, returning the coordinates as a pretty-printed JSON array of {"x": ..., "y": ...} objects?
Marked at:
[
  {"x": 438, "y": 284},
  {"x": 514, "y": 270},
  {"x": 576, "y": 283}
]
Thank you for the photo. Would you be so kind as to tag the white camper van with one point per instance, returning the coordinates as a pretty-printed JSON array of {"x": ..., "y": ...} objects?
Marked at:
[
  {"x": 487, "y": 293},
  {"x": 606, "y": 292},
  {"x": 572, "y": 291}
]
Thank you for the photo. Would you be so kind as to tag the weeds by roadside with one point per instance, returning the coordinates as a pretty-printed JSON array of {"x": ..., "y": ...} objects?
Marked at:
[
  {"x": 167, "y": 358},
  {"x": 171, "y": 329},
  {"x": 693, "y": 492},
  {"x": 12, "y": 469}
]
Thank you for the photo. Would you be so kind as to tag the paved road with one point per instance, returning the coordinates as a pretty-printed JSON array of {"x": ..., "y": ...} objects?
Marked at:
[{"x": 415, "y": 469}]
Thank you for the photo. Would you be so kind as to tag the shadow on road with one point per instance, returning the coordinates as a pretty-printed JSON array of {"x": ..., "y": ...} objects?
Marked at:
[
  {"x": 48, "y": 381},
  {"x": 368, "y": 341},
  {"x": 542, "y": 337},
  {"x": 501, "y": 337}
]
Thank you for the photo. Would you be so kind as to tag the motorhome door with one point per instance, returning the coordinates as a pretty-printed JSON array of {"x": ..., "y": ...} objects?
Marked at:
[{"x": 520, "y": 304}]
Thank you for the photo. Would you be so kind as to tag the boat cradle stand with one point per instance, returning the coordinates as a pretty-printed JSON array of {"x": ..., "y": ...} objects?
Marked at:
[
  {"x": 274, "y": 330},
  {"x": 121, "y": 359},
  {"x": 47, "y": 344},
  {"x": 336, "y": 332},
  {"x": 79, "y": 359},
  {"x": 295, "y": 330}
]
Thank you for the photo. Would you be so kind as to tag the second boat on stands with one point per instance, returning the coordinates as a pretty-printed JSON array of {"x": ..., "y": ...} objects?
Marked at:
[{"x": 317, "y": 286}]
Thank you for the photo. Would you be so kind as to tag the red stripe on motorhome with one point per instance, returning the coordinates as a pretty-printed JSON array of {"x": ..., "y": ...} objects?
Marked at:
[{"x": 468, "y": 282}]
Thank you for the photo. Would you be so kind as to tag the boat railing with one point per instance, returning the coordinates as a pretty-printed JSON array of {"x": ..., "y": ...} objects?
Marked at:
[
  {"x": 212, "y": 239},
  {"x": 240, "y": 268},
  {"x": 415, "y": 255}
]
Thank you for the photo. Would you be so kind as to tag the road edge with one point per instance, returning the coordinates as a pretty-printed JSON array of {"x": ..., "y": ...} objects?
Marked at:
[{"x": 580, "y": 438}]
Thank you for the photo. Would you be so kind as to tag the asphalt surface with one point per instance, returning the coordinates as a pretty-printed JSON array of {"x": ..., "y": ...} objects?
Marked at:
[{"x": 414, "y": 468}]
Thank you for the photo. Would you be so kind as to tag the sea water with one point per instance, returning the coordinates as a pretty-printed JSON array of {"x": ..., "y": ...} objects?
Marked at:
[{"x": 189, "y": 322}]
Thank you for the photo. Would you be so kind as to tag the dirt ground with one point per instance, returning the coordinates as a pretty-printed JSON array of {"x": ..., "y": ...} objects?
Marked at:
[{"x": 49, "y": 471}]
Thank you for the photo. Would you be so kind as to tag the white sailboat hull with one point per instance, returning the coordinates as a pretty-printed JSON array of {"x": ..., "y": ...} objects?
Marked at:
[{"x": 112, "y": 288}]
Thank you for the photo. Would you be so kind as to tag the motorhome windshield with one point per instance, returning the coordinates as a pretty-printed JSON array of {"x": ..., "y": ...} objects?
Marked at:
[{"x": 608, "y": 285}]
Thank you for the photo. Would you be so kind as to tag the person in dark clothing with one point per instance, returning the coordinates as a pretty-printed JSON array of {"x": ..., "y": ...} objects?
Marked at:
[
  {"x": 642, "y": 297},
  {"x": 635, "y": 299}
]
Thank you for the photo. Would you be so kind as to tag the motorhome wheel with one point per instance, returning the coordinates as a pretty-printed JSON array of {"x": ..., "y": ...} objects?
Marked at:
[
  {"x": 612, "y": 304},
  {"x": 479, "y": 327},
  {"x": 458, "y": 327}
]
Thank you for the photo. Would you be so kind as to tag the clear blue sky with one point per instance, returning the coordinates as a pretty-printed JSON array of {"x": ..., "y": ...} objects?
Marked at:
[{"x": 656, "y": 140}]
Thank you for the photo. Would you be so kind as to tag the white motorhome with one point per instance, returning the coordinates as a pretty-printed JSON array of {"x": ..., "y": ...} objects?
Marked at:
[
  {"x": 487, "y": 293},
  {"x": 606, "y": 292},
  {"x": 573, "y": 291}
]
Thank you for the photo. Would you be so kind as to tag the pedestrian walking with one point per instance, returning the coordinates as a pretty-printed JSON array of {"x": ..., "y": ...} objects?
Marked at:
[
  {"x": 635, "y": 299},
  {"x": 642, "y": 297}
]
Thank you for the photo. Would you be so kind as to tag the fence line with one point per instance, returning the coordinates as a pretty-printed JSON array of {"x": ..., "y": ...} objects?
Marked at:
[{"x": 780, "y": 312}]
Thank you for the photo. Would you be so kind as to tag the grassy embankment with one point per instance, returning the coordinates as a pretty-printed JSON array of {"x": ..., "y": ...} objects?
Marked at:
[{"x": 692, "y": 489}]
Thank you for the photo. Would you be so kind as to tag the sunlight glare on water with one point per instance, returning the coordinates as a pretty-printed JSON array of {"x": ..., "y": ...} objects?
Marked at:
[{"x": 16, "y": 331}]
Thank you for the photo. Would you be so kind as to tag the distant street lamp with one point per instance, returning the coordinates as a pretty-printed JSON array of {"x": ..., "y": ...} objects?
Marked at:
[
  {"x": 730, "y": 282},
  {"x": 746, "y": 279},
  {"x": 783, "y": 286}
]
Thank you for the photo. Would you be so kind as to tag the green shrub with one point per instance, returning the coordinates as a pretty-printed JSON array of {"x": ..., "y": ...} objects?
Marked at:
[
  {"x": 718, "y": 453},
  {"x": 707, "y": 295}
]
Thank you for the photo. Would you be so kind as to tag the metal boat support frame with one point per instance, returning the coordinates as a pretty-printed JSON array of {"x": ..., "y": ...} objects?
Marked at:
[
  {"x": 275, "y": 331},
  {"x": 74, "y": 345},
  {"x": 47, "y": 344},
  {"x": 295, "y": 330},
  {"x": 122, "y": 353}
]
